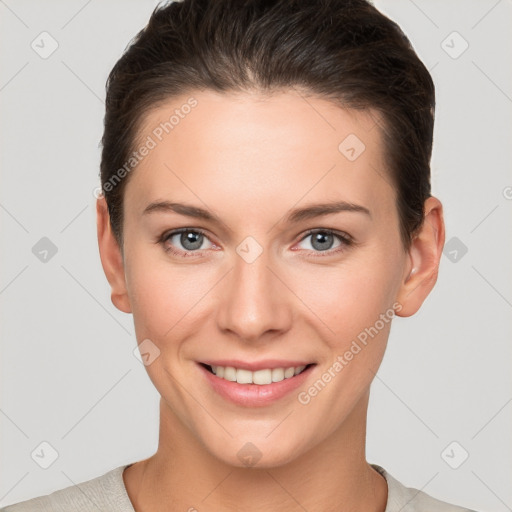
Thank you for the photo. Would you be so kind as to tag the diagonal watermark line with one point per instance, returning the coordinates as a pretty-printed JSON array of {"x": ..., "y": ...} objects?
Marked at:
[
  {"x": 304, "y": 98},
  {"x": 285, "y": 490},
  {"x": 80, "y": 489},
  {"x": 14, "y": 423},
  {"x": 376, "y": 376},
  {"x": 300, "y": 299},
  {"x": 217, "y": 485},
  {"x": 13, "y": 13},
  {"x": 429, "y": 276},
  {"x": 206, "y": 206},
  {"x": 485, "y": 15},
  {"x": 424, "y": 13},
  {"x": 74, "y": 218},
  {"x": 278, "y": 424},
  {"x": 13, "y": 279},
  {"x": 416, "y": 493},
  {"x": 492, "y": 81},
  {"x": 382, "y": 176},
  {"x": 484, "y": 218},
  {"x": 485, "y": 425},
  {"x": 199, "y": 403},
  {"x": 433, "y": 67},
  {"x": 304, "y": 195},
  {"x": 96, "y": 300},
  {"x": 376, "y": 121},
  {"x": 196, "y": 303},
  {"x": 81, "y": 419},
  {"x": 508, "y": 508},
  {"x": 14, "y": 76},
  {"x": 12, "y": 488},
  {"x": 76, "y": 14},
  {"x": 503, "y": 297},
  {"x": 82, "y": 81},
  {"x": 13, "y": 218}
]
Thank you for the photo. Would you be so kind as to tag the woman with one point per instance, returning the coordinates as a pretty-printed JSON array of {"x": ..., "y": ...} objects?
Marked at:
[{"x": 266, "y": 212}]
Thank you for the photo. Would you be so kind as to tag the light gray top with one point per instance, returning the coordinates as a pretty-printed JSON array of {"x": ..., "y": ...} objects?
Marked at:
[{"x": 108, "y": 493}]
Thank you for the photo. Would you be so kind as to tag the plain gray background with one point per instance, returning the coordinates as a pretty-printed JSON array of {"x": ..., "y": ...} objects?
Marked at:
[{"x": 68, "y": 373}]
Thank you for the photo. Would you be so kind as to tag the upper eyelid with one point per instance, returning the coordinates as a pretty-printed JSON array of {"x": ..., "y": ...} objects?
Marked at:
[
  {"x": 331, "y": 231},
  {"x": 344, "y": 237},
  {"x": 169, "y": 234}
]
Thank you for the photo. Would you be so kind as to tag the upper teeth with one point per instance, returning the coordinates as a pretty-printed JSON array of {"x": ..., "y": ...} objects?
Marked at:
[{"x": 265, "y": 376}]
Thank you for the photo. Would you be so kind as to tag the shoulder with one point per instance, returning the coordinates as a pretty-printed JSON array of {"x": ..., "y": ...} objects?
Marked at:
[
  {"x": 105, "y": 492},
  {"x": 407, "y": 499}
]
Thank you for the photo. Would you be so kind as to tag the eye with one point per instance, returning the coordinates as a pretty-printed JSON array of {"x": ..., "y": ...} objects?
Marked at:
[
  {"x": 324, "y": 240},
  {"x": 186, "y": 240}
]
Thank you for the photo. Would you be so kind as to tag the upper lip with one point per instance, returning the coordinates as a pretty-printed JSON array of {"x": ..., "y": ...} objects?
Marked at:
[{"x": 256, "y": 365}]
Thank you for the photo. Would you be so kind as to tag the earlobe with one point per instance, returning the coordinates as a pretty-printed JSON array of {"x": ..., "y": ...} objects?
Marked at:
[
  {"x": 111, "y": 258},
  {"x": 420, "y": 274}
]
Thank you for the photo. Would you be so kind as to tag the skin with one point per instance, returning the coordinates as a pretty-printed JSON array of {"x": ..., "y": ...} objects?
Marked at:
[{"x": 250, "y": 159}]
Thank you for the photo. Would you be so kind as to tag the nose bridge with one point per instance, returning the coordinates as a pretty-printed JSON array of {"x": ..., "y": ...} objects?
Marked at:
[{"x": 253, "y": 301}]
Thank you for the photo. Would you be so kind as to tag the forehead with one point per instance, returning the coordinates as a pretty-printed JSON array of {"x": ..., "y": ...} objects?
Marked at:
[{"x": 256, "y": 149}]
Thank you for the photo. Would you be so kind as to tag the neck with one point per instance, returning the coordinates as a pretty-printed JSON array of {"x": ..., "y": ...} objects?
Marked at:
[{"x": 334, "y": 475}]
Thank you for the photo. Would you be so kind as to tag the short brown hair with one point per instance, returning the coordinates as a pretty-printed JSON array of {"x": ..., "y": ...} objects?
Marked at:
[{"x": 345, "y": 51}]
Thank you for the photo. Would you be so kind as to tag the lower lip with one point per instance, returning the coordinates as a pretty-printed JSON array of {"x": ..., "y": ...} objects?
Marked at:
[{"x": 255, "y": 395}]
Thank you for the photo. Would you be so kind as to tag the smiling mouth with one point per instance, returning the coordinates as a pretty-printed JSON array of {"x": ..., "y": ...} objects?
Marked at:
[{"x": 261, "y": 377}]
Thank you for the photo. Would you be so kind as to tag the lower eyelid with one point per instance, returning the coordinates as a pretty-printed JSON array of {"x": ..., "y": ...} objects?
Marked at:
[
  {"x": 343, "y": 239},
  {"x": 167, "y": 237},
  {"x": 345, "y": 242}
]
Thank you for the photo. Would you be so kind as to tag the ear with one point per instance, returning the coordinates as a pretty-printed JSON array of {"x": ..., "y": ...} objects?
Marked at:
[
  {"x": 420, "y": 273},
  {"x": 111, "y": 258}
]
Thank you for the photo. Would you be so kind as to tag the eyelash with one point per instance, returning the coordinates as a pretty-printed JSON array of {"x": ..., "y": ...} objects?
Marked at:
[{"x": 345, "y": 239}]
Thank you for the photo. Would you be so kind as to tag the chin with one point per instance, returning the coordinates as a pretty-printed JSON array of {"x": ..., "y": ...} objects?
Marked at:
[{"x": 258, "y": 451}]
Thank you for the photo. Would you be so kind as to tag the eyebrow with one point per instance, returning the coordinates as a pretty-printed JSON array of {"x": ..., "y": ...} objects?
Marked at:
[{"x": 294, "y": 216}]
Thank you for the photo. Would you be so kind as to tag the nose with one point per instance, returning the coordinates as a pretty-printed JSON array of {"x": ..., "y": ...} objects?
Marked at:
[{"x": 254, "y": 301}]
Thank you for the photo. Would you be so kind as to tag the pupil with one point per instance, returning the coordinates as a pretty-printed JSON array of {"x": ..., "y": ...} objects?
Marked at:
[
  {"x": 194, "y": 239},
  {"x": 324, "y": 241}
]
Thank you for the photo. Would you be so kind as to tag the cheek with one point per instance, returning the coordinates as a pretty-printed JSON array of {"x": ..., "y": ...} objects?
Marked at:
[
  {"x": 351, "y": 296},
  {"x": 341, "y": 300},
  {"x": 162, "y": 295},
  {"x": 355, "y": 301}
]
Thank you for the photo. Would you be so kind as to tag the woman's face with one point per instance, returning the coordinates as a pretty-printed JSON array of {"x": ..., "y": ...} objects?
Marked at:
[{"x": 251, "y": 284}]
